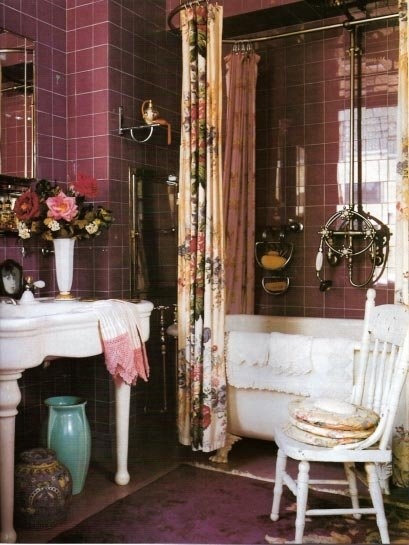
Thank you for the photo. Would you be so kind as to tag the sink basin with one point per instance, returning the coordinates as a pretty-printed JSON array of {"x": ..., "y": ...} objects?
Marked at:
[
  {"x": 45, "y": 306},
  {"x": 32, "y": 332}
]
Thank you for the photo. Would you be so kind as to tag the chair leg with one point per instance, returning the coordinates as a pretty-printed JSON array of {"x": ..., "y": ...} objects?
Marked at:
[
  {"x": 302, "y": 496},
  {"x": 278, "y": 487},
  {"x": 353, "y": 489},
  {"x": 377, "y": 501}
]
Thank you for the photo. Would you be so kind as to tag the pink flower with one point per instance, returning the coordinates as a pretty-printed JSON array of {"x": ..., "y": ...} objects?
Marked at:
[
  {"x": 62, "y": 207},
  {"x": 86, "y": 185}
]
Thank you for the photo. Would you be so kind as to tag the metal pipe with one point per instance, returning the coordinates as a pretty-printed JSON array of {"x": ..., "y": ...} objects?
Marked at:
[
  {"x": 345, "y": 24},
  {"x": 353, "y": 52},
  {"x": 133, "y": 234},
  {"x": 25, "y": 116},
  {"x": 16, "y": 50}
]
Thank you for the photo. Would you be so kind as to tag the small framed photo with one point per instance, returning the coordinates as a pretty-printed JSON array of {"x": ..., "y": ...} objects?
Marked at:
[{"x": 11, "y": 279}]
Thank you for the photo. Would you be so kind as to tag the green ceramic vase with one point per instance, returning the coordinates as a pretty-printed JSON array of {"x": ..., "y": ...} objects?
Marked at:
[{"x": 69, "y": 435}]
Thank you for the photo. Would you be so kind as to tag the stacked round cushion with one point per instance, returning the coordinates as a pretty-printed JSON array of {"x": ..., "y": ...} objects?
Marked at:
[{"x": 329, "y": 422}]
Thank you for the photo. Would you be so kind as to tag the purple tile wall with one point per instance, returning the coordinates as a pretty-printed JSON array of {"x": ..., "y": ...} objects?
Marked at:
[{"x": 91, "y": 58}]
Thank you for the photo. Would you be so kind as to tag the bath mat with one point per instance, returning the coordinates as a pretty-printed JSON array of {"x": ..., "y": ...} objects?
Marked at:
[{"x": 193, "y": 505}]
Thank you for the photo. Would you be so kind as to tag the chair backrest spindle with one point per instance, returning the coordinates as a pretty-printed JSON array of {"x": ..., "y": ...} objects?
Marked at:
[{"x": 381, "y": 376}]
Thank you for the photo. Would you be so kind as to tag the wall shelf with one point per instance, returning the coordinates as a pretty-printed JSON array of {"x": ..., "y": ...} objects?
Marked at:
[{"x": 141, "y": 129}]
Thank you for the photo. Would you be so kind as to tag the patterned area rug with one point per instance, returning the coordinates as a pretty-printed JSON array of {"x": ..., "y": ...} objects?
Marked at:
[{"x": 193, "y": 505}]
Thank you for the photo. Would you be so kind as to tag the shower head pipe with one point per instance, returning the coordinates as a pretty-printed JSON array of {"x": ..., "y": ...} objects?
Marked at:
[{"x": 345, "y": 24}]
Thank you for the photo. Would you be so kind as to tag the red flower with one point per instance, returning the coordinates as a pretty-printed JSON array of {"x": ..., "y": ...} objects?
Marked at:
[
  {"x": 86, "y": 185},
  {"x": 27, "y": 206}
]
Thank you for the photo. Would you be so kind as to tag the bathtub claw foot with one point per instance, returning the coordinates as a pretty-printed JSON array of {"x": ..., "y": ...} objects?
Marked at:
[{"x": 222, "y": 454}]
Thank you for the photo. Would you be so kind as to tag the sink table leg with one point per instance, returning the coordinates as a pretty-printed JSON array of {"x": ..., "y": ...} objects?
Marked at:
[
  {"x": 10, "y": 397},
  {"x": 122, "y": 404}
]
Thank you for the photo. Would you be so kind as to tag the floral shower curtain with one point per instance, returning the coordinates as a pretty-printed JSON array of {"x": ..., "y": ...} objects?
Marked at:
[
  {"x": 402, "y": 230},
  {"x": 239, "y": 178},
  {"x": 201, "y": 306}
]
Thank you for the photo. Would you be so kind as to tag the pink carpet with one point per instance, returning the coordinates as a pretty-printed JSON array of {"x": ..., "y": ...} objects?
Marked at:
[{"x": 194, "y": 505}]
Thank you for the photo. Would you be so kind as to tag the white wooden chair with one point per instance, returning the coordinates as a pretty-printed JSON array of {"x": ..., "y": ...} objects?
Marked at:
[{"x": 381, "y": 375}]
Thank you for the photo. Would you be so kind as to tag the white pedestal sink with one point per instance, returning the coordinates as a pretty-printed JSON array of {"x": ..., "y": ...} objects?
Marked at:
[{"x": 29, "y": 334}]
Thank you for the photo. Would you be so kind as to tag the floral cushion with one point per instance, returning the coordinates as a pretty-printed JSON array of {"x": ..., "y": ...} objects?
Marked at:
[
  {"x": 329, "y": 432},
  {"x": 317, "y": 440},
  {"x": 343, "y": 416}
]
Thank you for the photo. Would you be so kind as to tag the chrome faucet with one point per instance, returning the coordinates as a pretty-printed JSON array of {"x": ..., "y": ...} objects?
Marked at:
[{"x": 5, "y": 300}]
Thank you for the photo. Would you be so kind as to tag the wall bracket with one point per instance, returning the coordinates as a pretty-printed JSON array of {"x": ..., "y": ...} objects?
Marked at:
[{"x": 143, "y": 129}]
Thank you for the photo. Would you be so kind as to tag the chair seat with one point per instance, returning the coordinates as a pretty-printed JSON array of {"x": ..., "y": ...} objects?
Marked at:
[{"x": 303, "y": 451}]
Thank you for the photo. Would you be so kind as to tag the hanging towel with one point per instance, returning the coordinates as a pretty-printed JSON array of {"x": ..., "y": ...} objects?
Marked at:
[
  {"x": 290, "y": 354},
  {"x": 124, "y": 350}
]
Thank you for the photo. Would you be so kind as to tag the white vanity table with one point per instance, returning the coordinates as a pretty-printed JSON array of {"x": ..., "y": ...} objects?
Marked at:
[{"x": 29, "y": 334}]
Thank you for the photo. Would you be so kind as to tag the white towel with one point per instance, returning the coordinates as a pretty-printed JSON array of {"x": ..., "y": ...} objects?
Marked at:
[
  {"x": 248, "y": 348},
  {"x": 331, "y": 373},
  {"x": 290, "y": 354},
  {"x": 124, "y": 350},
  {"x": 246, "y": 354}
]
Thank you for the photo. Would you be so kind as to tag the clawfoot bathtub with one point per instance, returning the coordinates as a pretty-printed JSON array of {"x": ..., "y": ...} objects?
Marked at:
[{"x": 253, "y": 399}]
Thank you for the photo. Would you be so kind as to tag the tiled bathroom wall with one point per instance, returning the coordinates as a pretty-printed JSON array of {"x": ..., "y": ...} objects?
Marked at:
[{"x": 92, "y": 58}]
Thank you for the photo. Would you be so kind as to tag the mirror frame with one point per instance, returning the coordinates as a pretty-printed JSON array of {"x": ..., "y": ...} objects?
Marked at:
[{"x": 12, "y": 43}]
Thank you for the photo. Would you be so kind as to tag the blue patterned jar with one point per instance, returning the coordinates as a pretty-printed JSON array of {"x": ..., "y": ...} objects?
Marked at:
[{"x": 43, "y": 489}]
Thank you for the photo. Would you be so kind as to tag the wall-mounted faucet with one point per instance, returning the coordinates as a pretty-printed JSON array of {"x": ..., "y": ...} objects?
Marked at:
[
  {"x": 351, "y": 232},
  {"x": 5, "y": 300}
]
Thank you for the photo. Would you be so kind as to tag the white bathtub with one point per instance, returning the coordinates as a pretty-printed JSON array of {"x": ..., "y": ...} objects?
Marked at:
[{"x": 251, "y": 412}]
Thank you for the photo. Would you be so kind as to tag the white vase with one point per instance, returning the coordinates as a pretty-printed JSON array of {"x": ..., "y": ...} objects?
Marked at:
[{"x": 64, "y": 265}]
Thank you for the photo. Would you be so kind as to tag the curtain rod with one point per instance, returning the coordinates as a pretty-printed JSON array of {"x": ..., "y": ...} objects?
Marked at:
[{"x": 345, "y": 24}]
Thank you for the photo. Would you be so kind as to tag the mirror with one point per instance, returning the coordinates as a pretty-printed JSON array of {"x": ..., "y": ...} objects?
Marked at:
[{"x": 17, "y": 127}]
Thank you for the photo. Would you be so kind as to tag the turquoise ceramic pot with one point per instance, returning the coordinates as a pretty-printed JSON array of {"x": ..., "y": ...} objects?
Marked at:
[{"x": 69, "y": 435}]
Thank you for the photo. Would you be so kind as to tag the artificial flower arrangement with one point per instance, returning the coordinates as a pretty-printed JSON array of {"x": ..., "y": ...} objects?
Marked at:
[{"x": 51, "y": 213}]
